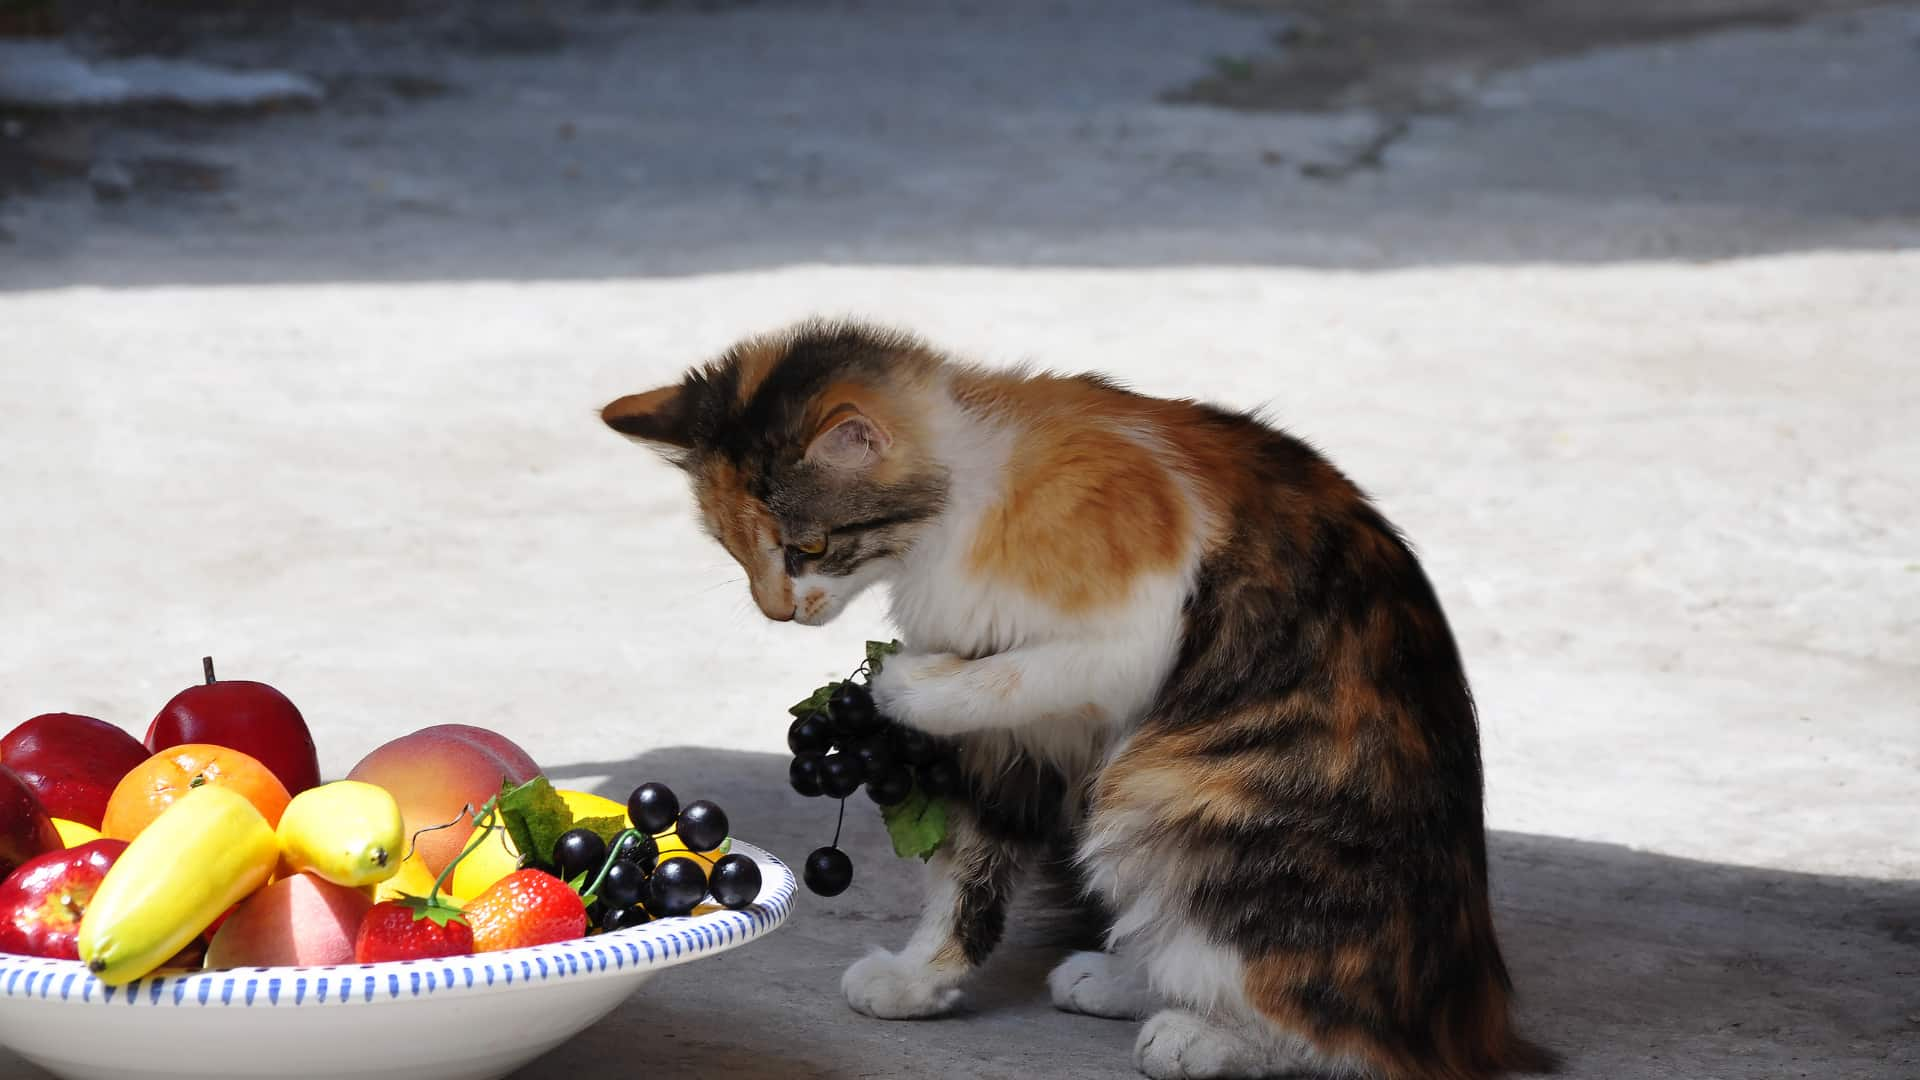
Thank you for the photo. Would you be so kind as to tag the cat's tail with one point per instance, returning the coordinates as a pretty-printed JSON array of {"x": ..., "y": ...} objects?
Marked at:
[{"x": 1474, "y": 1037}]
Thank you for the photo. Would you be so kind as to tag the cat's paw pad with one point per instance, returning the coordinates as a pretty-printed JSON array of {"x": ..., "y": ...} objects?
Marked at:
[
  {"x": 890, "y": 987},
  {"x": 1096, "y": 984},
  {"x": 1179, "y": 1045}
]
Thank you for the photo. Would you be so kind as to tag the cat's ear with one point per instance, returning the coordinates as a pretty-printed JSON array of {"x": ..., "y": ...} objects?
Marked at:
[
  {"x": 658, "y": 416},
  {"x": 849, "y": 441}
]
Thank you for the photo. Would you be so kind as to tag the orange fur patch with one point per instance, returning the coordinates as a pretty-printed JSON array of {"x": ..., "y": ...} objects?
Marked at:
[
  {"x": 1086, "y": 512},
  {"x": 754, "y": 362}
]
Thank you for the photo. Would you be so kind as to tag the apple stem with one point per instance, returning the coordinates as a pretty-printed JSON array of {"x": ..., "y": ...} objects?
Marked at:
[{"x": 206, "y": 665}]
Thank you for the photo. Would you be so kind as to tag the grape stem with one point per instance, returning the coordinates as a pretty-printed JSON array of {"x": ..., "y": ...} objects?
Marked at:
[
  {"x": 482, "y": 828},
  {"x": 613, "y": 856},
  {"x": 837, "y": 824},
  {"x": 206, "y": 666}
]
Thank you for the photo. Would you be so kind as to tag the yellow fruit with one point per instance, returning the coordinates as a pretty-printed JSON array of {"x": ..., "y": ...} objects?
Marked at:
[
  {"x": 497, "y": 857},
  {"x": 586, "y": 804},
  {"x": 199, "y": 857},
  {"x": 494, "y": 859},
  {"x": 346, "y": 832},
  {"x": 74, "y": 833},
  {"x": 414, "y": 879}
]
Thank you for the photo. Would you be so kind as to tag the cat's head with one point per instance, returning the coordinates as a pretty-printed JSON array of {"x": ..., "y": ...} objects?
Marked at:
[{"x": 809, "y": 456}]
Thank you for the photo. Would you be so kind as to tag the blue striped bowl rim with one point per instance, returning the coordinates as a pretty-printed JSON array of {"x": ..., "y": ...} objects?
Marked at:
[{"x": 659, "y": 944}]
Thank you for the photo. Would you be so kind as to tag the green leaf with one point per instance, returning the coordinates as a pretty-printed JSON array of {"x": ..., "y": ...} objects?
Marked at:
[
  {"x": 917, "y": 825},
  {"x": 816, "y": 702},
  {"x": 605, "y": 827},
  {"x": 535, "y": 815},
  {"x": 441, "y": 912},
  {"x": 877, "y": 651}
]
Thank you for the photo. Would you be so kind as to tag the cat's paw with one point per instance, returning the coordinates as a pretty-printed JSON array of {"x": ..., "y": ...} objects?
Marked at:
[
  {"x": 906, "y": 684},
  {"x": 891, "y": 987},
  {"x": 1179, "y": 1045},
  {"x": 1098, "y": 984}
]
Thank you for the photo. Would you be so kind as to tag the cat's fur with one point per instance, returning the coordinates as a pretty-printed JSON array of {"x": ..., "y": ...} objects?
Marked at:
[{"x": 1171, "y": 641}]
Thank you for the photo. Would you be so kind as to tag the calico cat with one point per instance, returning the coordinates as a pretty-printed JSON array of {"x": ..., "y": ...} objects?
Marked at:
[{"x": 1168, "y": 639}]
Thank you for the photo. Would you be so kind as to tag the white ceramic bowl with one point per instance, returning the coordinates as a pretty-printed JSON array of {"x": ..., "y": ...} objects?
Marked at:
[{"x": 465, "y": 1018}]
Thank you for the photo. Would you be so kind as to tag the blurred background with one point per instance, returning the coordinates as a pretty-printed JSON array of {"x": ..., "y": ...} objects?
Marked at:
[{"x": 306, "y": 310}]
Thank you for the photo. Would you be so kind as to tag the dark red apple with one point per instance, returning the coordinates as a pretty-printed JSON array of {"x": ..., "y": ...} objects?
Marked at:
[
  {"x": 41, "y": 902},
  {"x": 71, "y": 762},
  {"x": 250, "y": 717},
  {"x": 25, "y": 828}
]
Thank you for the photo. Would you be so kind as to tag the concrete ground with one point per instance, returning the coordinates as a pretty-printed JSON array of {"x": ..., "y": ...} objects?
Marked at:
[{"x": 1625, "y": 339}]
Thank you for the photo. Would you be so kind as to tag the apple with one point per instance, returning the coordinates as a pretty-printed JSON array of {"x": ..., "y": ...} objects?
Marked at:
[
  {"x": 25, "y": 828},
  {"x": 42, "y": 901},
  {"x": 298, "y": 921},
  {"x": 71, "y": 762},
  {"x": 250, "y": 717},
  {"x": 435, "y": 772}
]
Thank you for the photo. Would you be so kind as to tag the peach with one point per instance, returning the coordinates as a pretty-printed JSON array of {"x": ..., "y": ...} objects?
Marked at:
[
  {"x": 299, "y": 921},
  {"x": 434, "y": 772}
]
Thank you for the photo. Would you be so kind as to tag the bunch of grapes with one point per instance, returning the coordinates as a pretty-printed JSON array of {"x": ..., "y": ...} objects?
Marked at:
[
  {"x": 848, "y": 744},
  {"x": 630, "y": 884}
]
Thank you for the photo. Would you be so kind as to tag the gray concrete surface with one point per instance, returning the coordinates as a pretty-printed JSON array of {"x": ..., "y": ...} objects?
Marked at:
[{"x": 1627, "y": 343}]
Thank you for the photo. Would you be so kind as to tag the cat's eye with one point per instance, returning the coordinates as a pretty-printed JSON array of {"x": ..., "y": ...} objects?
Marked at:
[{"x": 811, "y": 547}]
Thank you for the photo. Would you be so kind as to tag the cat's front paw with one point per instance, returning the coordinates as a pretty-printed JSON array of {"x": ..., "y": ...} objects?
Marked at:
[
  {"x": 891, "y": 987},
  {"x": 905, "y": 683}
]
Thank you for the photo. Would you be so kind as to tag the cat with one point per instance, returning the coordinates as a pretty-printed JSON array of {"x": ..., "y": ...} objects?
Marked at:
[{"x": 1166, "y": 638}]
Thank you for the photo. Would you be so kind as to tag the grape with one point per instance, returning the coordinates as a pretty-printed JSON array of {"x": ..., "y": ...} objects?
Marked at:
[
  {"x": 876, "y": 757},
  {"x": 623, "y": 885},
  {"x": 676, "y": 887},
  {"x": 622, "y": 918},
  {"x": 913, "y": 746},
  {"x": 939, "y": 778},
  {"x": 596, "y": 911},
  {"x": 736, "y": 881},
  {"x": 639, "y": 849},
  {"x": 811, "y": 734},
  {"x": 851, "y": 707},
  {"x": 804, "y": 774},
  {"x": 840, "y": 775},
  {"x": 702, "y": 826},
  {"x": 652, "y": 808},
  {"x": 892, "y": 787},
  {"x": 578, "y": 851},
  {"x": 828, "y": 871}
]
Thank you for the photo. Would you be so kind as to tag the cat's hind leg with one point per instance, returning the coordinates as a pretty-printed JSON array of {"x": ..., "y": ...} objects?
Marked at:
[
  {"x": 970, "y": 881},
  {"x": 1105, "y": 984}
]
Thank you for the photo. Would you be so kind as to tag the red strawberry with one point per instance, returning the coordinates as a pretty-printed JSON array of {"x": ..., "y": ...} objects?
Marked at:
[
  {"x": 411, "y": 928},
  {"x": 527, "y": 907}
]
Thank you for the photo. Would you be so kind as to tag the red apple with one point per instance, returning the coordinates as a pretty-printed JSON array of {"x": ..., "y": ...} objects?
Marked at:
[
  {"x": 436, "y": 771},
  {"x": 250, "y": 717},
  {"x": 71, "y": 762},
  {"x": 25, "y": 828},
  {"x": 41, "y": 902}
]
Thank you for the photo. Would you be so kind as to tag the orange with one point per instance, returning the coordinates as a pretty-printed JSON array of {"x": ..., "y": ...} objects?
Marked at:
[{"x": 155, "y": 783}]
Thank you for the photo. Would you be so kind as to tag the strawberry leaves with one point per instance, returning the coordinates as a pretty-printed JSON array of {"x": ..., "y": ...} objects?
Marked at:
[{"x": 441, "y": 912}]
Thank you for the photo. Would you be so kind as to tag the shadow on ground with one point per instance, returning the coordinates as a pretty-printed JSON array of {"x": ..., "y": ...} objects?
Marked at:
[
  {"x": 610, "y": 140},
  {"x": 1630, "y": 963}
]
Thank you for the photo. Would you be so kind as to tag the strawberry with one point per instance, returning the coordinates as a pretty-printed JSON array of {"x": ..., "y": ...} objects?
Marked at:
[
  {"x": 411, "y": 928},
  {"x": 527, "y": 907}
]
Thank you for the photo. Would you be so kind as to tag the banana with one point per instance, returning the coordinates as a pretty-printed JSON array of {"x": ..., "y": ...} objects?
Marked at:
[
  {"x": 201, "y": 856},
  {"x": 347, "y": 832}
]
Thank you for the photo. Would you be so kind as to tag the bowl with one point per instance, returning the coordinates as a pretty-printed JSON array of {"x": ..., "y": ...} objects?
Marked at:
[{"x": 463, "y": 1018}]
